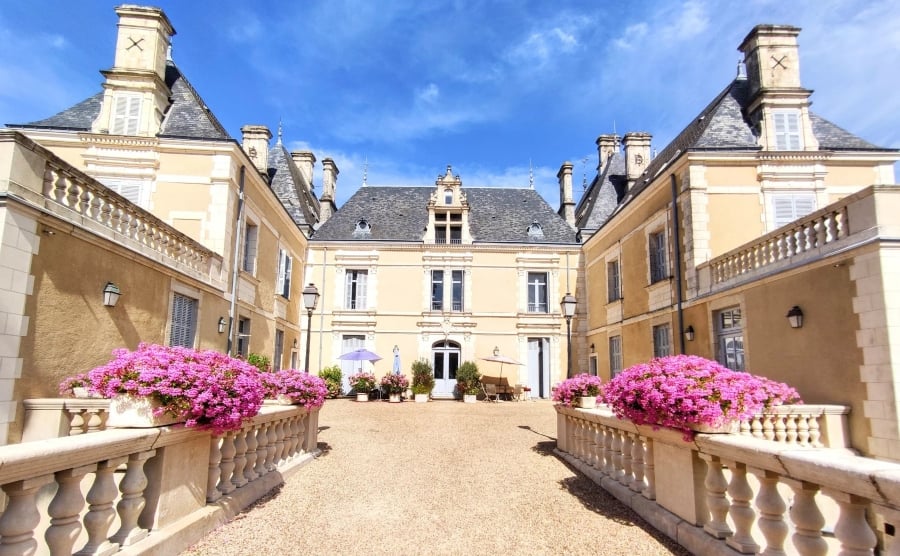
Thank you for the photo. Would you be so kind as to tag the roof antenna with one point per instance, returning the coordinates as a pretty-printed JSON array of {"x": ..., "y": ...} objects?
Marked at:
[
  {"x": 584, "y": 173},
  {"x": 530, "y": 174},
  {"x": 366, "y": 172},
  {"x": 279, "y": 132}
]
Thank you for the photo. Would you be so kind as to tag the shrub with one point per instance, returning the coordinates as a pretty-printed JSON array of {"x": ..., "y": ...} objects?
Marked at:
[
  {"x": 362, "y": 382},
  {"x": 261, "y": 362},
  {"x": 468, "y": 378},
  {"x": 422, "y": 377},
  {"x": 394, "y": 383},
  {"x": 332, "y": 376},
  {"x": 579, "y": 386},
  {"x": 302, "y": 388},
  {"x": 684, "y": 390}
]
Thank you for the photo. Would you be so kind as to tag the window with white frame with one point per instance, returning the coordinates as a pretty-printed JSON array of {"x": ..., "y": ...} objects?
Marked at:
[
  {"x": 437, "y": 290},
  {"x": 183, "y": 326},
  {"x": 448, "y": 227},
  {"x": 657, "y": 255},
  {"x": 613, "y": 281},
  {"x": 136, "y": 191},
  {"x": 615, "y": 355},
  {"x": 279, "y": 350},
  {"x": 787, "y": 130},
  {"x": 283, "y": 285},
  {"x": 787, "y": 207},
  {"x": 537, "y": 292},
  {"x": 251, "y": 237},
  {"x": 456, "y": 290},
  {"x": 662, "y": 340},
  {"x": 243, "y": 337},
  {"x": 355, "y": 289},
  {"x": 592, "y": 365},
  {"x": 126, "y": 116},
  {"x": 730, "y": 338}
]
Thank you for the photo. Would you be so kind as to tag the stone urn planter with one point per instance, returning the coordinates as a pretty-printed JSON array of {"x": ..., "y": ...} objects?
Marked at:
[
  {"x": 395, "y": 398},
  {"x": 362, "y": 396},
  {"x": 127, "y": 411},
  {"x": 587, "y": 402},
  {"x": 421, "y": 398},
  {"x": 470, "y": 398}
]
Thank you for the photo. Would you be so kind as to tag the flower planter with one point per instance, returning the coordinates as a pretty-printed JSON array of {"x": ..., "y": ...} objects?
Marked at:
[
  {"x": 362, "y": 396},
  {"x": 395, "y": 398},
  {"x": 587, "y": 402},
  {"x": 728, "y": 427},
  {"x": 469, "y": 398},
  {"x": 127, "y": 411},
  {"x": 421, "y": 398}
]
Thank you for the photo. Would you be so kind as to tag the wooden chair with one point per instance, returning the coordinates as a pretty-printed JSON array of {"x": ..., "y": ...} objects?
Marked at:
[
  {"x": 490, "y": 392},
  {"x": 517, "y": 393}
]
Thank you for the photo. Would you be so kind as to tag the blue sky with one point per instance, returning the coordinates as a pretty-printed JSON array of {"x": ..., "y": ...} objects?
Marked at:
[{"x": 489, "y": 87}]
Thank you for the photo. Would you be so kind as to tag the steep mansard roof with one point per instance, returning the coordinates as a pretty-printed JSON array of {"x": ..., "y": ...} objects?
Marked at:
[
  {"x": 187, "y": 116},
  {"x": 496, "y": 215},
  {"x": 290, "y": 186}
]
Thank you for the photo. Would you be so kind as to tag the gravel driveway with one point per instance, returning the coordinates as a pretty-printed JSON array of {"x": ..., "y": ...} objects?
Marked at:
[{"x": 437, "y": 478}]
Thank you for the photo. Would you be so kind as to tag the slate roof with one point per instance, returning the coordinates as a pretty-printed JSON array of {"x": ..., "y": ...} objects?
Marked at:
[
  {"x": 187, "y": 116},
  {"x": 496, "y": 215},
  {"x": 603, "y": 195},
  {"x": 291, "y": 188}
]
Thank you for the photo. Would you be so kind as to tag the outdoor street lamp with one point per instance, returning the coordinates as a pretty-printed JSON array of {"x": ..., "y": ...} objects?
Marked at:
[
  {"x": 310, "y": 298},
  {"x": 568, "y": 309},
  {"x": 111, "y": 294}
]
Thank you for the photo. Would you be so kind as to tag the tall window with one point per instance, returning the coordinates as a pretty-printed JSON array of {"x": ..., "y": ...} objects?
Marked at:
[
  {"x": 283, "y": 286},
  {"x": 537, "y": 292},
  {"x": 613, "y": 281},
  {"x": 243, "y": 339},
  {"x": 615, "y": 355},
  {"x": 657, "y": 250},
  {"x": 251, "y": 231},
  {"x": 184, "y": 321},
  {"x": 447, "y": 227},
  {"x": 730, "y": 338},
  {"x": 457, "y": 289},
  {"x": 448, "y": 196},
  {"x": 279, "y": 350},
  {"x": 787, "y": 207},
  {"x": 662, "y": 340},
  {"x": 355, "y": 289},
  {"x": 787, "y": 130},
  {"x": 126, "y": 114},
  {"x": 437, "y": 290}
]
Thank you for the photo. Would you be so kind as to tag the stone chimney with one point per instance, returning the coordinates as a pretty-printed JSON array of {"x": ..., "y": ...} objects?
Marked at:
[
  {"x": 566, "y": 204},
  {"x": 607, "y": 146},
  {"x": 305, "y": 161},
  {"x": 637, "y": 154},
  {"x": 255, "y": 142},
  {"x": 329, "y": 184},
  {"x": 772, "y": 58},
  {"x": 135, "y": 95}
]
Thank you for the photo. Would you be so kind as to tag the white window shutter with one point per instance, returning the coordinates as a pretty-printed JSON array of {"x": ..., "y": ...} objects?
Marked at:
[
  {"x": 361, "y": 280},
  {"x": 279, "y": 279}
]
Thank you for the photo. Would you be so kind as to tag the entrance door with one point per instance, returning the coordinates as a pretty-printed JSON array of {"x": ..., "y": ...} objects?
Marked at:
[
  {"x": 539, "y": 367},
  {"x": 445, "y": 361},
  {"x": 350, "y": 343}
]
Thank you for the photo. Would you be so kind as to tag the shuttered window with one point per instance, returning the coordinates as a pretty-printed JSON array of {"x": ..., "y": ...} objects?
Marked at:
[
  {"x": 283, "y": 286},
  {"x": 279, "y": 350},
  {"x": 615, "y": 355},
  {"x": 134, "y": 190},
  {"x": 662, "y": 340},
  {"x": 787, "y": 130},
  {"x": 355, "y": 289},
  {"x": 184, "y": 321},
  {"x": 243, "y": 339},
  {"x": 613, "y": 281},
  {"x": 787, "y": 207},
  {"x": 657, "y": 253},
  {"x": 251, "y": 232},
  {"x": 126, "y": 114}
]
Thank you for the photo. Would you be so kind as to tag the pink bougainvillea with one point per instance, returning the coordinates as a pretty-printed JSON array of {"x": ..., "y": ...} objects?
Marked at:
[
  {"x": 303, "y": 388},
  {"x": 684, "y": 390},
  {"x": 579, "y": 386}
]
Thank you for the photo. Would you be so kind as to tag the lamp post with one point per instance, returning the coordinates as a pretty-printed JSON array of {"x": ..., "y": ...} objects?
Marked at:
[
  {"x": 568, "y": 309},
  {"x": 310, "y": 298}
]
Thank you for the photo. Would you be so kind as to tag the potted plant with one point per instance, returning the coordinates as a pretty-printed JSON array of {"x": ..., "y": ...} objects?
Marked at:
[
  {"x": 580, "y": 390},
  {"x": 394, "y": 384},
  {"x": 423, "y": 380},
  {"x": 77, "y": 386},
  {"x": 205, "y": 389},
  {"x": 293, "y": 387},
  {"x": 687, "y": 392},
  {"x": 332, "y": 376},
  {"x": 468, "y": 381},
  {"x": 363, "y": 383}
]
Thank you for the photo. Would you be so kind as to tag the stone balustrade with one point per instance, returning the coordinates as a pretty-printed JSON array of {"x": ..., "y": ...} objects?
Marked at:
[
  {"x": 154, "y": 490},
  {"x": 736, "y": 494}
]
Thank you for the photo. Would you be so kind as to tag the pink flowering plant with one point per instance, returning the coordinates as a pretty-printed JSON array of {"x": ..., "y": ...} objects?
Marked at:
[
  {"x": 394, "y": 383},
  {"x": 681, "y": 391},
  {"x": 302, "y": 388},
  {"x": 362, "y": 382},
  {"x": 579, "y": 386},
  {"x": 213, "y": 391}
]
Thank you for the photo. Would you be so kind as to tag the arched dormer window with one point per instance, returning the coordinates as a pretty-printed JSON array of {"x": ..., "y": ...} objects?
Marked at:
[
  {"x": 535, "y": 231},
  {"x": 448, "y": 196},
  {"x": 362, "y": 228}
]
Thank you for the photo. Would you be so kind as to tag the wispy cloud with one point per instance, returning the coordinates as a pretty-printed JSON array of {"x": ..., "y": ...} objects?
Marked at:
[{"x": 632, "y": 36}]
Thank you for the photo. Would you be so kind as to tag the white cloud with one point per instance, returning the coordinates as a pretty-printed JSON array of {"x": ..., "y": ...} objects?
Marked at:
[
  {"x": 690, "y": 21},
  {"x": 632, "y": 36},
  {"x": 428, "y": 94},
  {"x": 542, "y": 47}
]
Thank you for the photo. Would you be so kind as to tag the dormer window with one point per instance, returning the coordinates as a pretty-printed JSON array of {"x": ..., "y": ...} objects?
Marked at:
[
  {"x": 787, "y": 130},
  {"x": 448, "y": 227},
  {"x": 535, "y": 231},
  {"x": 448, "y": 196},
  {"x": 126, "y": 116},
  {"x": 362, "y": 229}
]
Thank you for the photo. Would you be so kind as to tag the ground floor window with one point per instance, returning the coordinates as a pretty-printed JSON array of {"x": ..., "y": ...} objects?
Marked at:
[
  {"x": 662, "y": 340},
  {"x": 243, "y": 339},
  {"x": 730, "y": 338},
  {"x": 279, "y": 350},
  {"x": 615, "y": 355},
  {"x": 183, "y": 327}
]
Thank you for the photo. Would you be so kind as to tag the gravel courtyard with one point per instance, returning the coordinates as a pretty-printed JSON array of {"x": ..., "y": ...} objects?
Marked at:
[{"x": 437, "y": 478}]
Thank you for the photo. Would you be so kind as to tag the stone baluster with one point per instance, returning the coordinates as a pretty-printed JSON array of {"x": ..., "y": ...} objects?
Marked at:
[
  {"x": 115, "y": 217},
  {"x": 65, "y": 510},
  {"x": 290, "y": 438},
  {"x": 807, "y": 519},
  {"x": 302, "y": 423},
  {"x": 771, "y": 509},
  {"x": 279, "y": 442},
  {"x": 627, "y": 475},
  {"x": 47, "y": 182},
  {"x": 262, "y": 450},
  {"x": 852, "y": 529},
  {"x": 21, "y": 516},
  {"x": 101, "y": 514},
  {"x": 597, "y": 441},
  {"x": 105, "y": 211},
  {"x": 649, "y": 470},
  {"x": 60, "y": 187},
  {"x": 94, "y": 209},
  {"x": 272, "y": 447},
  {"x": 132, "y": 503},
  {"x": 76, "y": 422},
  {"x": 832, "y": 227},
  {"x": 609, "y": 467},
  {"x": 780, "y": 429},
  {"x": 822, "y": 230},
  {"x": 617, "y": 472},
  {"x": 226, "y": 464},
  {"x": 238, "y": 478},
  {"x": 815, "y": 433},
  {"x": 601, "y": 448},
  {"x": 716, "y": 485},
  {"x": 803, "y": 429},
  {"x": 574, "y": 447},
  {"x": 214, "y": 472},
  {"x": 592, "y": 444},
  {"x": 790, "y": 432},
  {"x": 250, "y": 469},
  {"x": 637, "y": 463},
  {"x": 741, "y": 511},
  {"x": 756, "y": 426},
  {"x": 570, "y": 434},
  {"x": 95, "y": 419}
]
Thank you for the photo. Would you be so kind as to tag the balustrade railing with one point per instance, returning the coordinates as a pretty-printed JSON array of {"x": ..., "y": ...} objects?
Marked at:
[
  {"x": 736, "y": 493},
  {"x": 136, "y": 488}
]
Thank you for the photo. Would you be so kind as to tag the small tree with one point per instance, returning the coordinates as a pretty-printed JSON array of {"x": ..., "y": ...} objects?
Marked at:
[
  {"x": 422, "y": 377},
  {"x": 261, "y": 362},
  {"x": 332, "y": 376},
  {"x": 468, "y": 378}
]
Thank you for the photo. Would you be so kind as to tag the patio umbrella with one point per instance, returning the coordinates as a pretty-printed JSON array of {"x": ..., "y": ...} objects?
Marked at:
[
  {"x": 397, "y": 362},
  {"x": 501, "y": 359},
  {"x": 361, "y": 354}
]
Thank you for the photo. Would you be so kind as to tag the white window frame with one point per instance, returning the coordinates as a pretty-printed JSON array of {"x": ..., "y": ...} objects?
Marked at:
[
  {"x": 279, "y": 350},
  {"x": 613, "y": 281},
  {"x": 662, "y": 340},
  {"x": 283, "y": 282},
  {"x": 437, "y": 290},
  {"x": 540, "y": 290},
  {"x": 125, "y": 118},
  {"x": 355, "y": 289},
  {"x": 729, "y": 328},
  {"x": 615, "y": 355},
  {"x": 183, "y": 320},
  {"x": 457, "y": 286},
  {"x": 786, "y": 129},
  {"x": 790, "y": 206},
  {"x": 242, "y": 345},
  {"x": 251, "y": 244}
]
